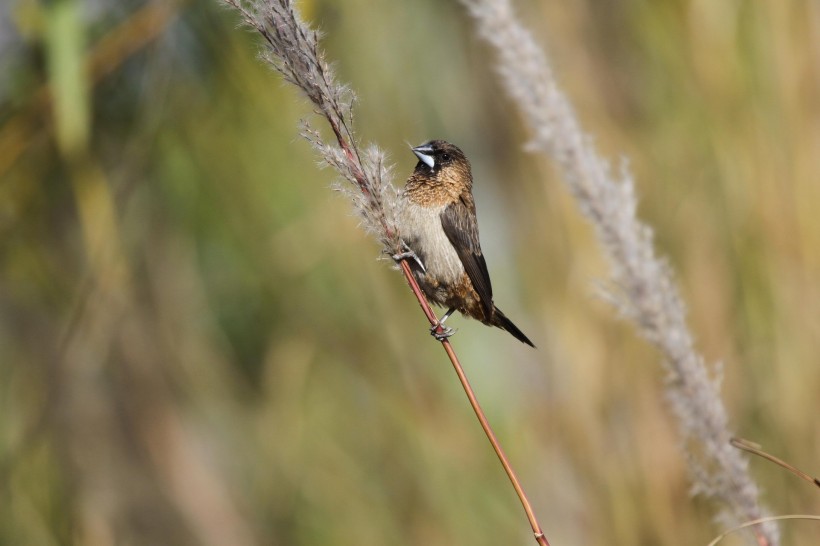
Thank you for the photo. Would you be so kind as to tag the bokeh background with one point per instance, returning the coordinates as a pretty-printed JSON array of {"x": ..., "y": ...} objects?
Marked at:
[{"x": 199, "y": 346}]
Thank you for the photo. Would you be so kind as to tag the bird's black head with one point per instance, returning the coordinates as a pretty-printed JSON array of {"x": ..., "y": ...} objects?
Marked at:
[{"x": 436, "y": 156}]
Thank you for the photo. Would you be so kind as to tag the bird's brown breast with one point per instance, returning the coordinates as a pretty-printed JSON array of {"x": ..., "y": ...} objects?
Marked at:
[{"x": 445, "y": 187}]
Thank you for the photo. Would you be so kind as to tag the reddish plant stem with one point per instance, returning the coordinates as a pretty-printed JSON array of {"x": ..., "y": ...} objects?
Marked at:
[
  {"x": 462, "y": 377},
  {"x": 361, "y": 181},
  {"x": 358, "y": 174},
  {"x": 448, "y": 348}
]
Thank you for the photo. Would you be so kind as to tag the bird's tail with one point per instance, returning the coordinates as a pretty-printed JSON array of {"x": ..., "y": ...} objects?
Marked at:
[{"x": 501, "y": 321}]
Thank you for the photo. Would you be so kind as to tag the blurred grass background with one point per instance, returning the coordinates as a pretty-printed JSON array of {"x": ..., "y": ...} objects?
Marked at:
[{"x": 198, "y": 346}]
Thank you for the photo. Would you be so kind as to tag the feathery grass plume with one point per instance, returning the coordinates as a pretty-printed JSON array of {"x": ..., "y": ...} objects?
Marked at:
[
  {"x": 645, "y": 290},
  {"x": 292, "y": 49}
]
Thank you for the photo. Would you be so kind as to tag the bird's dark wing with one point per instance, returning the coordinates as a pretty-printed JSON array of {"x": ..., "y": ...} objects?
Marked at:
[{"x": 459, "y": 222}]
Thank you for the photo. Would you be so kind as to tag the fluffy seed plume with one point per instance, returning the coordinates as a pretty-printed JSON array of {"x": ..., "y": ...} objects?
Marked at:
[
  {"x": 644, "y": 289},
  {"x": 292, "y": 49}
]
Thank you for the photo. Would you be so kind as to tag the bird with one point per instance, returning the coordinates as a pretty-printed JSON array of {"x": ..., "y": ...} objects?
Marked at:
[{"x": 439, "y": 232}]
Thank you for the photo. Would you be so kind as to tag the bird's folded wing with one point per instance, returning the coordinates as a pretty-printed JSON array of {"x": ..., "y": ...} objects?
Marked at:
[{"x": 459, "y": 222}]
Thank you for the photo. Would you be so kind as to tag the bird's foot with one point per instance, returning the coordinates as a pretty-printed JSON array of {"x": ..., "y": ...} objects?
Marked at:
[
  {"x": 439, "y": 330},
  {"x": 408, "y": 254},
  {"x": 444, "y": 333}
]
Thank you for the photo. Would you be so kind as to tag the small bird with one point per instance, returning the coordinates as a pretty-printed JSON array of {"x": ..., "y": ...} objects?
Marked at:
[{"x": 437, "y": 224}]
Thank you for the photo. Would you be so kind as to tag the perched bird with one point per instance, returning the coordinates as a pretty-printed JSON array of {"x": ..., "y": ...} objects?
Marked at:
[{"x": 437, "y": 223}]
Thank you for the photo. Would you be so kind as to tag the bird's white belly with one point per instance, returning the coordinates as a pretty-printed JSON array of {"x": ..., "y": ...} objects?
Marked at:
[{"x": 420, "y": 228}]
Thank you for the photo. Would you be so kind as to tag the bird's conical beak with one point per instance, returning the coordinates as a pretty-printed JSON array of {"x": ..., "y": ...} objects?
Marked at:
[{"x": 425, "y": 154}]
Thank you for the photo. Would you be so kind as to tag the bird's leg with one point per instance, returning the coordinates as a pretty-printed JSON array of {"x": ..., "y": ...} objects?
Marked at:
[
  {"x": 409, "y": 254},
  {"x": 446, "y": 331}
]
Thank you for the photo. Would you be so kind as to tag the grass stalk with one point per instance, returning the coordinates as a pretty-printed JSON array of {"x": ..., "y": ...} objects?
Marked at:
[
  {"x": 293, "y": 50},
  {"x": 642, "y": 286}
]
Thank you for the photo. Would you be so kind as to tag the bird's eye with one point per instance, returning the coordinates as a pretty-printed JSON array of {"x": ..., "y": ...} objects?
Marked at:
[{"x": 445, "y": 157}]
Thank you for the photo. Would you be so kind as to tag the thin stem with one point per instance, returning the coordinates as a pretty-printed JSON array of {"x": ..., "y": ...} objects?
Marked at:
[
  {"x": 751, "y": 447},
  {"x": 758, "y": 521},
  {"x": 519, "y": 490},
  {"x": 465, "y": 383}
]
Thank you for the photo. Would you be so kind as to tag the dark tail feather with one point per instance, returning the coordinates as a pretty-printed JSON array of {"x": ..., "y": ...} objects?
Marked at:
[{"x": 501, "y": 320}]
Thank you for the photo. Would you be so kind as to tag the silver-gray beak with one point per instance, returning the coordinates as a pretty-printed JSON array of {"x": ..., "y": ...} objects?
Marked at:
[{"x": 425, "y": 153}]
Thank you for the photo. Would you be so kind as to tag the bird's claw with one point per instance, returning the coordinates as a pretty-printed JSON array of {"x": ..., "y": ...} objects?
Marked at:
[
  {"x": 445, "y": 332},
  {"x": 409, "y": 254}
]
